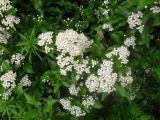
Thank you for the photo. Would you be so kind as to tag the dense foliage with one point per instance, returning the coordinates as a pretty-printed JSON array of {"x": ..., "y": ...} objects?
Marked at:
[{"x": 39, "y": 69}]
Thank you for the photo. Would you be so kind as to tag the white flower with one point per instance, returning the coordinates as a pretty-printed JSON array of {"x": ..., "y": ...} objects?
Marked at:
[
  {"x": 10, "y": 21},
  {"x": 155, "y": 9},
  {"x": 4, "y": 36},
  {"x": 77, "y": 111},
  {"x": 1, "y": 52},
  {"x": 65, "y": 63},
  {"x": 125, "y": 80},
  {"x": 106, "y": 12},
  {"x": 73, "y": 90},
  {"x": 81, "y": 67},
  {"x": 71, "y": 42},
  {"x": 5, "y": 5},
  {"x": 130, "y": 42},
  {"x": 106, "y": 2},
  {"x": 17, "y": 58},
  {"x": 122, "y": 53},
  {"x": 106, "y": 77},
  {"x": 89, "y": 101},
  {"x": 92, "y": 83},
  {"x": 45, "y": 38},
  {"x": 135, "y": 21},
  {"x": 74, "y": 110},
  {"x": 8, "y": 80},
  {"x": 25, "y": 81},
  {"x": 66, "y": 103},
  {"x": 108, "y": 26},
  {"x": 94, "y": 63},
  {"x": 5, "y": 95}
]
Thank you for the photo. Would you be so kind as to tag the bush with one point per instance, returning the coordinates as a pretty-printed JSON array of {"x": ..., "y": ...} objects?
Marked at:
[{"x": 80, "y": 59}]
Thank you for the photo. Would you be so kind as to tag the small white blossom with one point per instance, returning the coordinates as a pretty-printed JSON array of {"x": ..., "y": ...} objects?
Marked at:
[
  {"x": 135, "y": 21},
  {"x": 5, "y": 95},
  {"x": 122, "y": 53},
  {"x": 66, "y": 103},
  {"x": 92, "y": 83},
  {"x": 130, "y": 42},
  {"x": 25, "y": 81},
  {"x": 4, "y": 36},
  {"x": 5, "y": 5},
  {"x": 8, "y": 80},
  {"x": 108, "y": 26},
  {"x": 81, "y": 67},
  {"x": 106, "y": 77},
  {"x": 73, "y": 90},
  {"x": 125, "y": 80},
  {"x": 89, "y": 101},
  {"x": 106, "y": 2},
  {"x": 17, "y": 58},
  {"x": 44, "y": 40},
  {"x": 155, "y": 9},
  {"x": 10, "y": 21},
  {"x": 77, "y": 111},
  {"x": 72, "y": 42},
  {"x": 74, "y": 110},
  {"x": 1, "y": 52}
]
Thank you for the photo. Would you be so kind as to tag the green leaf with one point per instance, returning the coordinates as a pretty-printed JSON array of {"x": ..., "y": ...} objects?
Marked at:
[
  {"x": 122, "y": 91},
  {"x": 28, "y": 68},
  {"x": 19, "y": 90},
  {"x": 104, "y": 96},
  {"x": 38, "y": 5},
  {"x": 6, "y": 66},
  {"x": 31, "y": 100},
  {"x": 98, "y": 105},
  {"x": 32, "y": 114},
  {"x": 143, "y": 3},
  {"x": 49, "y": 105},
  {"x": 157, "y": 71}
]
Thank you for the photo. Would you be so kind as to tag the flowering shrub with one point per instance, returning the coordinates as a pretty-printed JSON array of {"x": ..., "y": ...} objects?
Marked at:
[{"x": 79, "y": 59}]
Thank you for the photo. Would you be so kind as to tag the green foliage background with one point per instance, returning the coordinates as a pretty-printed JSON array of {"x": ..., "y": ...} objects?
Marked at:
[{"x": 40, "y": 102}]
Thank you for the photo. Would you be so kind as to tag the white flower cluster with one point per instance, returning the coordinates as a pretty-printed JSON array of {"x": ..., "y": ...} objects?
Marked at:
[
  {"x": 67, "y": 64},
  {"x": 125, "y": 80},
  {"x": 102, "y": 81},
  {"x": 25, "y": 81},
  {"x": 17, "y": 58},
  {"x": 8, "y": 82},
  {"x": 122, "y": 52},
  {"x": 5, "y": 95},
  {"x": 74, "y": 110},
  {"x": 7, "y": 20},
  {"x": 73, "y": 90},
  {"x": 130, "y": 42},
  {"x": 72, "y": 42},
  {"x": 156, "y": 8},
  {"x": 5, "y": 5},
  {"x": 108, "y": 27},
  {"x": 1, "y": 52},
  {"x": 4, "y": 36},
  {"x": 88, "y": 102},
  {"x": 135, "y": 21},
  {"x": 107, "y": 9},
  {"x": 10, "y": 21},
  {"x": 45, "y": 40},
  {"x": 105, "y": 80}
]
